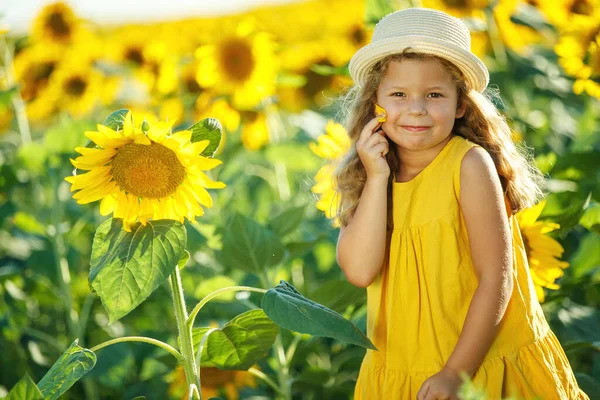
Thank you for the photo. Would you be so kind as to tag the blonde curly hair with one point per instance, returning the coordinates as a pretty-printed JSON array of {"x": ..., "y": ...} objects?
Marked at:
[{"x": 482, "y": 124}]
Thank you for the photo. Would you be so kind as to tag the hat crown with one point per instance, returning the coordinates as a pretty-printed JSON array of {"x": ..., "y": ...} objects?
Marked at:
[{"x": 423, "y": 22}]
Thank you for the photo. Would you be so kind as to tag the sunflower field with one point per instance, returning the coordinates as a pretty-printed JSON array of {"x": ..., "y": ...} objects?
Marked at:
[{"x": 167, "y": 209}]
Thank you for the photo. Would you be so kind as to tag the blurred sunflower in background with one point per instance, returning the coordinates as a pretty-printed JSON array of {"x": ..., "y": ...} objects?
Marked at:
[
  {"x": 331, "y": 146},
  {"x": 141, "y": 175},
  {"x": 240, "y": 63},
  {"x": 255, "y": 131},
  {"x": 543, "y": 252},
  {"x": 214, "y": 381},
  {"x": 56, "y": 23},
  {"x": 77, "y": 87},
  {"x": 460, "y": 9},
  {"x": 578, "y": 50},
  {"x": 33, "y": 68},
  {"x": 314, "y": 78}
]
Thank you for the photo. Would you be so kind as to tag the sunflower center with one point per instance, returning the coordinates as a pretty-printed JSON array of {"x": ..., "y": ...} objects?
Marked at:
[
  {"x": 237, "y": 59},
  {"x": 134, "y": 54},
  {"x": 75, "y": 86},
  {"x": 582, "y": 7},
  {"x": 358, "y": 35},
  {"x": 192, "y": 85},
  {"x": 457, "y": 3},
  {"x": 147, "y": 171},
  {"x": 316, "y": 83},
  {"x": 58, "y": 25}
]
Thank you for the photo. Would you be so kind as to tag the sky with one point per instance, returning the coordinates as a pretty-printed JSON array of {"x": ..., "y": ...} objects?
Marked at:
[{"x": 18, "y": 14}]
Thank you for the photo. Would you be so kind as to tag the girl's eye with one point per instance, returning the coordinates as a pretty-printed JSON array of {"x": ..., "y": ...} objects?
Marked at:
[
  {"x": 436, "y": 95},
  {"x": 398, "y": 94}
]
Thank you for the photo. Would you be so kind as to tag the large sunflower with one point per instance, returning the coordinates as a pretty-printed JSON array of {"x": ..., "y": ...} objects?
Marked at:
[
  {"x": 241, "y": 63},
  {"x": 330, "y": 146},
  {"x": 144, "y": 175},
  {"x": 543, "y": 252}
]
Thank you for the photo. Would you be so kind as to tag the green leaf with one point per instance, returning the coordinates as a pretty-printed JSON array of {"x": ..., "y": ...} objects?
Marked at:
[
  {"x": 28, "y": 223},
  {"x": 116, "y": 119},
  {"x": 580, "y": 323},
  {"x": 591, "y": 218},
  {"x": 68, "y": 369},
  {"x": 208, "y": 129},
  {"x": 296, "y": 249},
  {"x": 126, "y": 267},
  {"x": 338, "y": 295},
  {"x": 25, "y": 389},
  {"x": 375, "y": 10},
  {"x": 239, "y": 343},
  {"x": 33, "y": 157},
  {"x": 287, "y": 221},
  {"x": 183, "y": 260},
  {"x": 250, "y": 246},
  {"x": 587, "y": 256},
  {"x": 66, "y": 135},
  {"x": 290, "y": 310},
  {"x": 589, "y": 385}
]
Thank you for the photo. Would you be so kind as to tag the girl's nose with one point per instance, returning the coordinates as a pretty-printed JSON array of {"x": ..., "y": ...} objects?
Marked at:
[{"x": 417, "y": 107}]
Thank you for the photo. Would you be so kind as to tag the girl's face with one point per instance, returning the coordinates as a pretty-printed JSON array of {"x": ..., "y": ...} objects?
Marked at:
[{"x": 421, "y": 103}]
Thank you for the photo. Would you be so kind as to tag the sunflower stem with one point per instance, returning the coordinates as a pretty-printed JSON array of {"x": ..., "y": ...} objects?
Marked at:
[
  {"x": 495, "y": 39},
  {"x": 142, "y": 339},
  {"x": 210, "y": 296},
  {"x": 18, "y": 103},
  {"x": 261, "y": 375},
  {"x": 185, "y": 332},
  {"x": 283, "y": 370}
]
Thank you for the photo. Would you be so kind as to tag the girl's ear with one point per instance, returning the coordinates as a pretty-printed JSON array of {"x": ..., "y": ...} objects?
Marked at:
[{"x": 460, "y": 110}]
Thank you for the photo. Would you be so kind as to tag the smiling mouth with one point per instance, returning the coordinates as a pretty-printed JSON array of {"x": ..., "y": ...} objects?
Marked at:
[{"x": 415, "y": 128}]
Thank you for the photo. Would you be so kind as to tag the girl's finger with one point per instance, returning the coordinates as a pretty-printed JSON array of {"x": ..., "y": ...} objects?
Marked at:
[
  {"x": 374, "y": 139},
  {"x": 423, "y": 391},
  {"x": 368, "y": 129}
]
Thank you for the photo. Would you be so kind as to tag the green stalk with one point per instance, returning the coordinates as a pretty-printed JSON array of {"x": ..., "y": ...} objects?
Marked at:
[
  {"x": 210, "y": 296},
  {"x": 18, "y": 103},
  {"x": 285, "y": 384},
  {"x": 186, "y": 345},
  {"x": 261, "y": 375},
  {"x": 142, "y": 339},
  {"x": 495, "y": 39}
]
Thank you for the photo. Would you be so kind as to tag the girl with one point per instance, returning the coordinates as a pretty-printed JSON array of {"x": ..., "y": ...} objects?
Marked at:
[{"x": 427, "y": 224}]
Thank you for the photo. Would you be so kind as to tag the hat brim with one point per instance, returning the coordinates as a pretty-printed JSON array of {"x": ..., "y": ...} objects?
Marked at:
[{"x": 475, "y": 71}]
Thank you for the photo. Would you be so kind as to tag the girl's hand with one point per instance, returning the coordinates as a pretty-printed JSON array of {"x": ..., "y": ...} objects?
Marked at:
[
  {"x": 371, "y": 148},
  {"x": 441, "y": 386}
]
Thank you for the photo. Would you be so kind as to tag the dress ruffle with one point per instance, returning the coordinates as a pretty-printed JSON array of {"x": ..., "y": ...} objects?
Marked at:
[{"x": 523, "y": 374}]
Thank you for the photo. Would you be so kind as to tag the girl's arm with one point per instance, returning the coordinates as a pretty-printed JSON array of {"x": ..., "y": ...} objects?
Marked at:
[
  {"x": 361, "y": 244},
  {"x": 484, "y": 212}
]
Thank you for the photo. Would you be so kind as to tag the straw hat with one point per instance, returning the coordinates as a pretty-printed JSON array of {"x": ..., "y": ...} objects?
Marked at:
[{"x": 424, "y": 30}]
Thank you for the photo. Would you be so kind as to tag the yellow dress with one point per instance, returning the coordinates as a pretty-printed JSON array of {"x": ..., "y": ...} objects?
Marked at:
[{"x": 418, "y": 303}]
